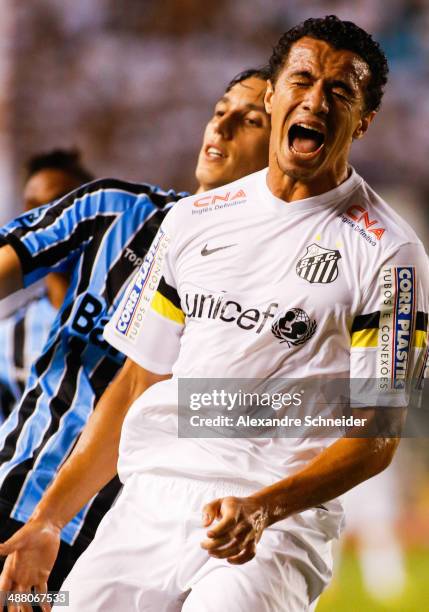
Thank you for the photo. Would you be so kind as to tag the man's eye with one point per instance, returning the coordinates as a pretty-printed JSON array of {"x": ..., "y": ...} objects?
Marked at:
[
  {"x": 252, "y": 121},
  {"x": 219, "y": 113},
  {"x": 340, "y": 94},
  {"x": 301, "y": 83}
]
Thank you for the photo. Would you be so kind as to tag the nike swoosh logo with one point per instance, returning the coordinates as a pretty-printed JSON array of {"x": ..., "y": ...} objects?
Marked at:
[{"x": 205, "y": 251}]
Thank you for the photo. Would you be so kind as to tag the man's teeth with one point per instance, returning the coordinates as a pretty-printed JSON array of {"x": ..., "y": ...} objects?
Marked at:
[
  {"x": 309, "y": 127},
  {"x": 214, "y": 152}
]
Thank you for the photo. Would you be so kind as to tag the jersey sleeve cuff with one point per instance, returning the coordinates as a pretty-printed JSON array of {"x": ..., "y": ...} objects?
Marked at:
[{"x": 136, "y": 354}]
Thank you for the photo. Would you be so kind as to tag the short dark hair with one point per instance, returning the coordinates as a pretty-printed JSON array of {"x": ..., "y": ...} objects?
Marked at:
[
  {"x": 341, "y": 35},
  {"x": 67, "y": 160},
  {"x": 262, "y": 73}
]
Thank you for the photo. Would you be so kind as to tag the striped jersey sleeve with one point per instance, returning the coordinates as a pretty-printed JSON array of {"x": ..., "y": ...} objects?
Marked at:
[
  {"x": 389, "y": 336},
  {"x": 110, "y": 224},
  {"x": 52, "y": 237},
  {"x": 148, "y": 324},
  {"x": 22, "y": 337}
]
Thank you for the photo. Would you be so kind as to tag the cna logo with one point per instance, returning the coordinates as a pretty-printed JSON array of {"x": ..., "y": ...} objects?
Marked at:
[
  {"x": 217, "y": 201},
  {"x": 360, "y": 215}
]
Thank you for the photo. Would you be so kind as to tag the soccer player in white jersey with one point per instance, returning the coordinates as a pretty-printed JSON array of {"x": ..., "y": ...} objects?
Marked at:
[
  {"x": 279, "y": 274},
  {"x": 235, "y": 143}
]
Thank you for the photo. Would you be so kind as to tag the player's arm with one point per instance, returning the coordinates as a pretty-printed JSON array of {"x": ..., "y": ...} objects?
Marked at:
[
  {"x": 50, "y": 238},
  {"x": 93, "y": 462},
  {"x": 334, "y": 471},
  {"x": 351, "y": 460},
  {"x": 10, "y": 271},
  {"x": 33, "y": 549}
]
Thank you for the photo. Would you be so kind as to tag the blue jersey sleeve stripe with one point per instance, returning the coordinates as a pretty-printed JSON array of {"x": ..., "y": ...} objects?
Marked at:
[
  {"x": 138, "y": 244},
  {"x": 76, "y": 365},
  {"x": 44, "y": 215},
  {"x": 63, "y": 252},
  {"x": 115, "y": 242},
  {"x": 55, "y": 223},
  {"x": 88, "y": 262}
]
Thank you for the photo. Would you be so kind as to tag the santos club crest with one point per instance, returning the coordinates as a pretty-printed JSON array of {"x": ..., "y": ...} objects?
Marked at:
[{"x": 318, "y": 265}]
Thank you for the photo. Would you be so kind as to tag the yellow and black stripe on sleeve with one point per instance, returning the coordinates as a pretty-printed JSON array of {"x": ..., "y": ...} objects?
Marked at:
[
  {"x": 166, "y": 302},
  {"x": 420, "y": 339},
  {"x": 365, "y": 330}
]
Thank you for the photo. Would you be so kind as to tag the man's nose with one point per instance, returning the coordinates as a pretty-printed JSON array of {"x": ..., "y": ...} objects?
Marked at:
[
  {"x": 316, "y": 100},
  {"x": 225, "y": 126}
]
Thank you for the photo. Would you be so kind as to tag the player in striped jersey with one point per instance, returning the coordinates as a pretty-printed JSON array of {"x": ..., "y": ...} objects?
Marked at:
[
  {"x": 22, "y": 335},
  {"x": 100, "y": 233}
]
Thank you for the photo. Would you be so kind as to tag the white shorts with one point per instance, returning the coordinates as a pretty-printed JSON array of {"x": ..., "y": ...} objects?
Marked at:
[{"x": 146, "y": 556}]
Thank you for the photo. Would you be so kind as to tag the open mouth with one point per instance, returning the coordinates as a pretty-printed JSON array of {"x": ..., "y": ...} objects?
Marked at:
[
  {"x": 214, "y": 153},
  {"x": 305, "y": 140}
]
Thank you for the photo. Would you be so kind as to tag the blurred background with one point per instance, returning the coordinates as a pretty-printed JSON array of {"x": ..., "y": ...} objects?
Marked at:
[{"x": 132, "y": 83}]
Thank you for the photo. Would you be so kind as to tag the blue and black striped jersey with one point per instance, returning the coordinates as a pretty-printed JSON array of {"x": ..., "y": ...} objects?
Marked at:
[
  {"x": 98, "y": 234},
  {"x": 22, "y": 337}
]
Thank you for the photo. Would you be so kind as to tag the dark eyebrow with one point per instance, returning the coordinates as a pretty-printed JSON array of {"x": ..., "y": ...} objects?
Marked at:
[
  {"x": 256, "y": 107},
  {"x": 224, "y": 99},
  {"x": 248, "y": 106},
  {"x": 337, "y": 83}
]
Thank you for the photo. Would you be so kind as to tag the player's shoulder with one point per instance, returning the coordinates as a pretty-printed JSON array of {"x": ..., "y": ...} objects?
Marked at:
[
  {"x": 126, "y": 192},
  {"x": 378, "y": 219},
  {"x": 207, "y": 205}
]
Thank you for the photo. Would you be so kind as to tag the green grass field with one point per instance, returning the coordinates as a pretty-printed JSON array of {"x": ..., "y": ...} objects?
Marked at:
[{"x": 347, "y": 593}]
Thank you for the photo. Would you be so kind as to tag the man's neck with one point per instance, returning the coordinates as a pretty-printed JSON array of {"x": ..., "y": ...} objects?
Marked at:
[{"x": 290, "y": 189}]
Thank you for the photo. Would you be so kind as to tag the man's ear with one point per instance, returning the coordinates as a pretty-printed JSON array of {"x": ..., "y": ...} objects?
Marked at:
[
  {"x": 268, "y": 97},
  {"x": 363, "y": 125}
]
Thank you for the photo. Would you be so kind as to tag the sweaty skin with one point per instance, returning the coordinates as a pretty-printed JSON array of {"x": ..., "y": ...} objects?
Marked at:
[
  {"x": 334, "y": 471},
  {"x": 325, "y": 88},
  {"x": 239, "y": 124}
]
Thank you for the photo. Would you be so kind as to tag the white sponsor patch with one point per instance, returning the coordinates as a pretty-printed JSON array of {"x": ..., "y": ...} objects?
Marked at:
[{"x": 142, "y": 288}]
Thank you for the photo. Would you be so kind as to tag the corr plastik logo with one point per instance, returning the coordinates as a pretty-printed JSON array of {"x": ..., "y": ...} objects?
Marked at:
[
  {"x": 143, "y": 287},
  {"x": 218, "y": 201},
  {"x": 396, "y": 325}
]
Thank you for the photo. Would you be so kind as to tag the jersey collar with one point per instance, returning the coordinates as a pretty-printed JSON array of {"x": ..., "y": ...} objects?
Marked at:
[{"x": 316, "y": 202}]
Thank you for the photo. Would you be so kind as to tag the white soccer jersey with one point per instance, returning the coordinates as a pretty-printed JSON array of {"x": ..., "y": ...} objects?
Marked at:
[{"x": 240, "y": 284}]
